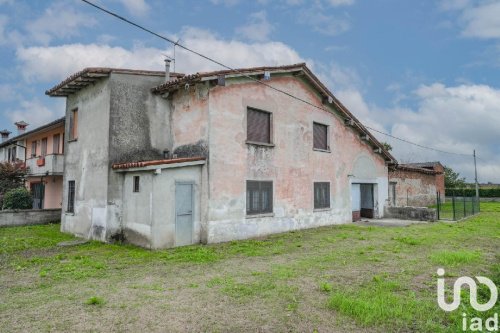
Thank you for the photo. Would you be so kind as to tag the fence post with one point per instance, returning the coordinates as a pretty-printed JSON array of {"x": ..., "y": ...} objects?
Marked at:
[
  {"x": 453, "y": 205},
  {"x": 473, "y": 203},
  {"x": 465, "y": 207},
  {"x": 438, "y": 201}
]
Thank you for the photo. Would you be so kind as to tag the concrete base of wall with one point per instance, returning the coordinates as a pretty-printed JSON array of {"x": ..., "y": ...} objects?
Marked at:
[
  {"x": 411, "y": 213},
  {"x": 12, "y": 218}
]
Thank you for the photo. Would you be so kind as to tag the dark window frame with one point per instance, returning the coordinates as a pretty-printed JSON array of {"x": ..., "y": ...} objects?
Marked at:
[
  {"x": 321, "y": 200},
  {"x": 71, "y": 196},
  {"x": 251, "y": 137},
  {"x": 257, "y": 192},
  {"x": 136, "y": 184},
  {"x": 316, "y": 137}
]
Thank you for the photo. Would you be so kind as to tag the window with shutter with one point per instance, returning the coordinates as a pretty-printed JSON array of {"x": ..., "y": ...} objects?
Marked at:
[
  {"x": 43, "y": 149},
  {"x": 321, "y": 195},
  {"x": 258, "y": 126},
  {"x": 55, "y": 143},
  {"x": 259, "y": 197},
  {"x": 320, "y": 136},
  {"x": 33, "y": 148}
]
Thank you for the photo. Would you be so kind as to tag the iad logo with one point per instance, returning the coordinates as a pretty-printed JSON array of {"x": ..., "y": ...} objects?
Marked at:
[
  {"x": 465, "y": 280},
  {"x": 476, "y": 323}
]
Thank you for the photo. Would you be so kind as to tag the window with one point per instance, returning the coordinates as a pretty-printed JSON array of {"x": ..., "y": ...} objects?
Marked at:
[
  {"x": 55, "y": 143},
  {"x": 43, "y": 147},
  {"x": 136, "y": 183},
  {"x": 258, "y": 126},
  {"x": 321, "y": 195},
  {"x": 392, "y": 193},
  {"x": 259, "y": 197},
  {"x": 71, "y": 196},
  {"x": 33, "y": 149},
  {"x": 13, "y": 154},
  {"x": 73, "y": 125},
  {"x": 320, "y": 136}
]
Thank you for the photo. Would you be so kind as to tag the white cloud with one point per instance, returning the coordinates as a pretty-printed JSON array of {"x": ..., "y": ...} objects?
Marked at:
[
  {"x": 337, "y": 3},
  {"x": 58, "y": 21},
  {"x": 35, "y": 112},
  {"x": 136, "y": 7},
  {"x": 482, "y": 21},
  {"x": 330, "y": 25},
  {"x": 45, "y": 64},
  {"x": 3, "y": 24},
  {"x": 257, "y": 28}
]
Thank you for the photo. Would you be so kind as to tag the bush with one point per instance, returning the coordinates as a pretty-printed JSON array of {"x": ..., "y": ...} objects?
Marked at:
[
  {"x": 18, "y": 198},
  {"x": 470, "y": 192}
]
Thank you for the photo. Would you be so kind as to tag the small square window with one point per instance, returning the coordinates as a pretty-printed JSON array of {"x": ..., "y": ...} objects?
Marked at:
[
  {"x": 259, "y": 197},
  {"x": 320, "y": 136},
  {"x": 136, "y": 183},
  {"x": 321, "y": 195}
]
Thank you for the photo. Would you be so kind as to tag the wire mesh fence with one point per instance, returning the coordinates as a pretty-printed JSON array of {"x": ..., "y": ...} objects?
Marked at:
[{"x": 456, "y": 206}]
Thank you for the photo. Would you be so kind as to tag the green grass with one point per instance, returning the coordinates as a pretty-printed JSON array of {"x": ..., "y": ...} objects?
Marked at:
[{"x": 338, "y": 278}]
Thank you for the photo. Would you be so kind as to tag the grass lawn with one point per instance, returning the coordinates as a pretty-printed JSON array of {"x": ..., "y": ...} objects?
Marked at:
[{"x": 332, "y": 279}]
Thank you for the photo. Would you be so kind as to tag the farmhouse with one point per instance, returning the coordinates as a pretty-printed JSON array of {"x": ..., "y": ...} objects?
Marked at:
[
  {"x": 162, "y": 159},
  {"x": 416, "y": 184}
]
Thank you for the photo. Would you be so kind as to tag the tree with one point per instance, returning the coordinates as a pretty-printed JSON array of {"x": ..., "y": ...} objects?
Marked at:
[
  {"x": 12, "y": 175},
  {"x": 452, "y": 179},
  {"x": 387, "y": 146},
  {"x": 17, "y": 198}
]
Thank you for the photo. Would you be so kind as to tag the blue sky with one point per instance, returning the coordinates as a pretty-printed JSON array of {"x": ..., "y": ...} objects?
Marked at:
[{"x": 427, "y": 71}]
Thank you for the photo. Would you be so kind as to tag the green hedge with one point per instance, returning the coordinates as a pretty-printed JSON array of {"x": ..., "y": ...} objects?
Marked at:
[
  {"x": 470, "y": 192},
  {"x": 18, "y": 198}
]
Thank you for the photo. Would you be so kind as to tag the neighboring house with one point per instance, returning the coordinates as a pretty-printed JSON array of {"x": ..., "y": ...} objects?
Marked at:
[
  {"x": 42, "y": 151},
  {"x": 416, "y": 184},
  {"x": 161, "y": 159},
  {"x": 14, "y": 149}
]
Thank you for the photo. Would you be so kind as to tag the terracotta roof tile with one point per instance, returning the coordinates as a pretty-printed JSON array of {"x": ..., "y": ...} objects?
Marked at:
[{"x": 155, "y": 162}]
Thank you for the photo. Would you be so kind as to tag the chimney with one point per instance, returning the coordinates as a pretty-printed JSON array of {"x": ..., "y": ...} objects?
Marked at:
[
  {"x": 167, "y": 70},
  {"x": 21, "y": 127},
  {"x": 5, "y": 135}
]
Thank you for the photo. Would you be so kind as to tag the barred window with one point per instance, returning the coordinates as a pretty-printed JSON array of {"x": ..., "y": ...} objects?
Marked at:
[
  {"x": 320, "y": 136},
  {"x": 259, "y": 197},
  {"x": 136, "y": 183},
  {"x": 321, "y": 195},
  {"x": 71, "y": 196},
  {"x": 258, "y": 126}
]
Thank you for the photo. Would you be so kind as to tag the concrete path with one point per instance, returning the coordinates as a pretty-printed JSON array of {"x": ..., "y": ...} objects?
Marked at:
[{"x": 388, "y": 222}]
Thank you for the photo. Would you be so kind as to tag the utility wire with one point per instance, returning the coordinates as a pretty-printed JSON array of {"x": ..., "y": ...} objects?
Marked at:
[
  {"x": 416, "y": 144},
  {"x": 176, "y": 43}
]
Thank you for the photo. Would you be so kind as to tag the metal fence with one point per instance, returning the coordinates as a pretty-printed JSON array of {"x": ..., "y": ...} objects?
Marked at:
[{"x": 456, "y": 206}]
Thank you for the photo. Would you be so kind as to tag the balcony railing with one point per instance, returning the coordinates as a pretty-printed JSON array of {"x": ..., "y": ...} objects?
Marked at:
[{"x": 48, "y": 165}]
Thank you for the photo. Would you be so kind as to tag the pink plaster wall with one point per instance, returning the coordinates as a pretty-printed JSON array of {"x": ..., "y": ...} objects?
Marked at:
[
  {"x": 50, "y": 143},
  {"x": 292, "y": 164},
  {"x": 53, "y": 190}
]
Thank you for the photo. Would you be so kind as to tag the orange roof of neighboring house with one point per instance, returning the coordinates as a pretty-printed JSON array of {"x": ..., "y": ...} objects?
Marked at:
[
  {"x": 155, "y": 162},
  {"x": 42, "y": 128},
  {"x": 299, "y": 68},
  {"x": 89, "y": 75}
]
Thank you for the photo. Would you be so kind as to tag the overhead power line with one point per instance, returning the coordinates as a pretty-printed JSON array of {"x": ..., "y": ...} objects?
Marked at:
[
  {"x": 416, "y": 144},
  {"x": 176, "y": 43}
]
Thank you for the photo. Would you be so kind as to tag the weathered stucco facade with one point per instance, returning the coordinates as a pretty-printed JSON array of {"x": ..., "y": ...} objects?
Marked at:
[
  {"x": 413, "y": 186},
  {"x": 191, "y": 133}
]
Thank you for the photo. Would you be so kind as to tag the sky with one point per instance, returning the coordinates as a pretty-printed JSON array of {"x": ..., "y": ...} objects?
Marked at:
[{"x": 424, "y": 71}]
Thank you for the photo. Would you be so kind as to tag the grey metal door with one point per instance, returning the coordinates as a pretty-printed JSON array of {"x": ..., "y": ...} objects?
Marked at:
[{"x": 183, "y": 214}]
